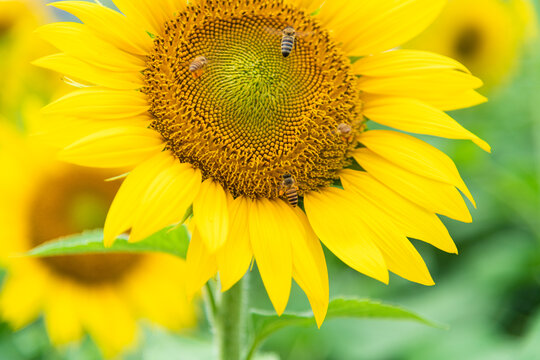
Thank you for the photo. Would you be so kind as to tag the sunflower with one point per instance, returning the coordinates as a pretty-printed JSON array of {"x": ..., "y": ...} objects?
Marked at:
[
  {"x": 488, "y": 36},
  {"x": 200, "y": 102},
  {"x": 102, "y": 294}
]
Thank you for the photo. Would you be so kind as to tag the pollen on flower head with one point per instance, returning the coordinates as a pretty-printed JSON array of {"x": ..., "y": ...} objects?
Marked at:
[{"x": 253, "y": 115}]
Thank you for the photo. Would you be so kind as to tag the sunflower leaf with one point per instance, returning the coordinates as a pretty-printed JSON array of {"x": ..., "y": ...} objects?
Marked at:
[
  {"x": 172, "y": 240},
  {"x": 266, "y": 323}
]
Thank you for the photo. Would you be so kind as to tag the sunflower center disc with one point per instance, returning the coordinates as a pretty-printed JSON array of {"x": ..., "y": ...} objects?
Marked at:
[
  {"x": 252, "y": 115},
  {"x": 69, "y": 203},
  {"x": 469, "y": 42}
]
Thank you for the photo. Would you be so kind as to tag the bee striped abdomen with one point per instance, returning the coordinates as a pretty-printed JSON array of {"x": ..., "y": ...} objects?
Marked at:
[
  {"x": 287, "y": 44},
  {"x": 292, "y": 196},
  {"x": 289, "y": 188}
]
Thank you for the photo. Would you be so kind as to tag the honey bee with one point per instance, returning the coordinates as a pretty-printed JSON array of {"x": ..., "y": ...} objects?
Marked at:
[
  {"x": 197, "y": 66},
  {"x": 287, "y": 40},
  {"x": 289, "y": 188},
  {"x": 344, "y": 131}
]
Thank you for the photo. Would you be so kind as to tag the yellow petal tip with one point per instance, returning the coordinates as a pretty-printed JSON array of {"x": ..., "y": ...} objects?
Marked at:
[
  {"x": 136, "y": 238},
  {"x": 279, "y": 311},
  {"x": 279, "y": 305},
  {"x": 482, "y": 145},
  {"x": 225, "y": 286},
  {"x": 319, "y": 318},
  {"x": 384, "y": 277},
  {"x": 108, "y": 241},
  {"x": 473, "y": 202}
]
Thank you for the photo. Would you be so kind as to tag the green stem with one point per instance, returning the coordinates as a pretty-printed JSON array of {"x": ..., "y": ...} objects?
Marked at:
[
  {"x": 211, "y": 306},
  {"x": 230, "y": 321},
  {"x": 253, "y": 349}
]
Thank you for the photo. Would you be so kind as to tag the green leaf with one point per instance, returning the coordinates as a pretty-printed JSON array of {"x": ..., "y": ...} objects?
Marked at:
[
  {"x": 266, "y": 323},
  {"x": 171, "y": 240}
]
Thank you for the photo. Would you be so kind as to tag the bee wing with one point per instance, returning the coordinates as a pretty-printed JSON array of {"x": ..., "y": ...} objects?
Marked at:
[
  {"x": 188, "y": 63},
  {"x": 273, "y": 31},
  {"x": 303, "y": 34}
]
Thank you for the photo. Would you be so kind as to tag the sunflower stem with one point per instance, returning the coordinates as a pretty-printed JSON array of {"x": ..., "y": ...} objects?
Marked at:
[
  {"x": 231, "y": 321},
  {"x": 210, "y": 302}
]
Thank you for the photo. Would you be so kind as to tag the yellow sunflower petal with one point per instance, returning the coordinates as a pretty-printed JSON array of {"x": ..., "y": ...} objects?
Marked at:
[
  {"x": 336, "y": 221},
  {"x": 456, "y": 101},
  {"x": 81, "y": 70},
  {"x": 413, "y": 220},
  {"x": 150, "y": 14},
  {"x": 434, "y": 79},
  {"x": 115, "y": 147},
  {"x": 77, "y": 40},
  {"x": 99, "y": 103},
  {"x": 271, "y": 243},
  {"x": 146, "y": 287},
  {"x": 416, "y": 156},
  {"x": 106, "y": 315},
  {"x": 166, "y": 199},
  {"x": 402, "y": 62},
  {"x": 414, "y": 116},
  {"x": 62, "y": 318},
  {"x": 201, "y": 265},
  {"x": 60, "y": 132},
  {"x": 309, "y": 268},
  {"x": 109, "y": 25},
  {"x": 211, "y": 215},
  {"x": 21, "y": 298},
  {"x": 235, "y": 256},
  {"x": 372, "y": 26},
  {"x": 121, "y": 215},
  {"x": 399, "y": 254},
  {"x": 432, "y": 195},
  {"x": 424, "y": 85}
]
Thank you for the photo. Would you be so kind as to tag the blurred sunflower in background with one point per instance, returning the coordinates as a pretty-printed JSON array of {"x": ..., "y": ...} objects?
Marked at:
[
  {"x": 487, "y": 36},
  {"x": 101, "y": 294},
  {"x": 224, "y": 138},
  {"x": 22, "y": 85}
]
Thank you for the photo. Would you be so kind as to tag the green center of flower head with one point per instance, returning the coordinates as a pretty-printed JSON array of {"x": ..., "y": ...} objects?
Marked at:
[
  {"x": 70, "y": 202},
  {"x": 229, "y": 102}
]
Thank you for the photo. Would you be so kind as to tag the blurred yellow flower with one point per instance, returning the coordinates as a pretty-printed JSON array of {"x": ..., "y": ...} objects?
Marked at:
[
  {"x": 487, "y": 36},
  {"x": 22, "y": 84},
  {"x": 242, "y": 131},
  {"x": 103, "y": 295}
]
